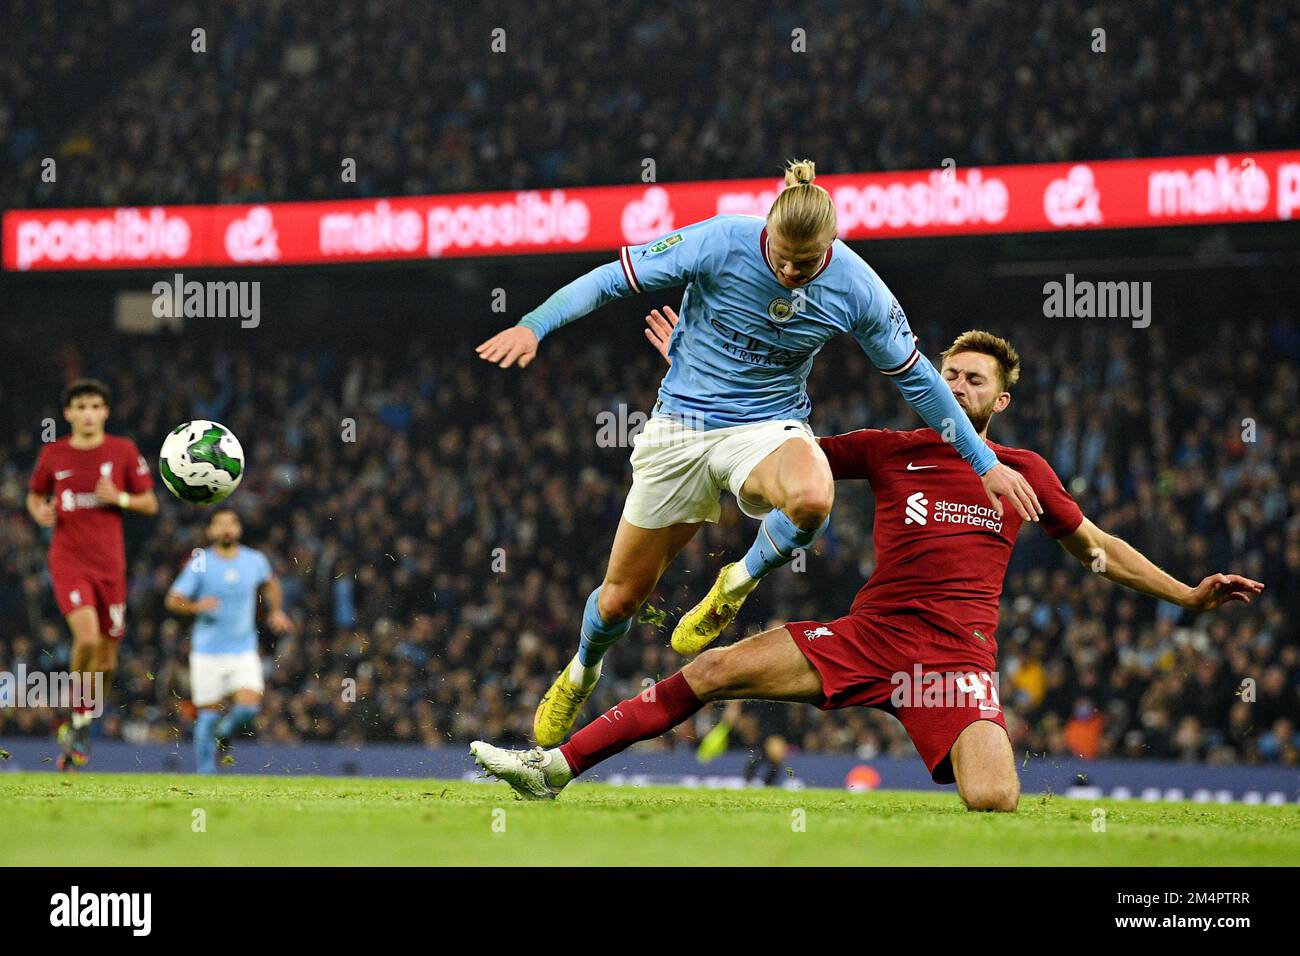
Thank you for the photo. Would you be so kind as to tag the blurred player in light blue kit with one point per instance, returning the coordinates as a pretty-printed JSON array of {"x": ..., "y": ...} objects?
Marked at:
[
  {"x": 220, "y": 587},
  {"x": 762, "y": 298}
]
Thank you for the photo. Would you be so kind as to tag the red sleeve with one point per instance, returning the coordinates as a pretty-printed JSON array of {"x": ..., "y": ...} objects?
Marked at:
[
  {"x": 138, "y": 476},
  {"x": 1061, "y": 514},
  {"x": 42, "y": 481},
  {"x": 854, "y": 454}
]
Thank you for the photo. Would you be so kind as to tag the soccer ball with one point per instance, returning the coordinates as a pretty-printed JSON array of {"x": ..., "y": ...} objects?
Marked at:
[{"x": 201, "y": 462}]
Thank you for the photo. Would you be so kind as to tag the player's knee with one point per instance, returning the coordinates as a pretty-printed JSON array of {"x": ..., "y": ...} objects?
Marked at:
[
  {"x": 710, "y": 674},
  {"x": 617, "y": 602},
  {"x": 994, "y": 797},
  {"x": 810, "y": 505},
  {"x": 85, "y": 636}
]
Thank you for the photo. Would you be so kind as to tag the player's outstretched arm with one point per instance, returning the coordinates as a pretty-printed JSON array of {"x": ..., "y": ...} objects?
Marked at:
[
  {"x": 515, "y": 344},
  {"x": 663, "y": 263},
  {"x": 1118, "y": 561},
  {"x": 518, "y": 344}
]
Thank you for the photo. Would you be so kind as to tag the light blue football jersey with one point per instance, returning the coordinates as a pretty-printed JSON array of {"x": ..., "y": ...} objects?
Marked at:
[
  {"x": 232, "y": 627},
  {"x": 744, "y": 344}
]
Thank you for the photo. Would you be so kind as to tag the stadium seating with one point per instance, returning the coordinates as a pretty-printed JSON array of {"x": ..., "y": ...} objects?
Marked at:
[
  {"x": 282, "y": 93},
  {"x": 386, "y": 544}
]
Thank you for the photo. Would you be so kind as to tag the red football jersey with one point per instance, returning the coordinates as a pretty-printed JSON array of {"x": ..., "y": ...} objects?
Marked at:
[
  {"x": 88, "y": 534},
  {"x": 941, "y": 549}
]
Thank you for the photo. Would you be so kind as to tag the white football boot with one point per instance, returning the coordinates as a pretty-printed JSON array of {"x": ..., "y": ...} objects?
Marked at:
[{"x": 524, "y": 770}]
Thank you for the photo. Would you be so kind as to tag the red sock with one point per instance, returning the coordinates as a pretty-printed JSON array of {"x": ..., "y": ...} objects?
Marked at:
[{"x": 650, "y": 713}]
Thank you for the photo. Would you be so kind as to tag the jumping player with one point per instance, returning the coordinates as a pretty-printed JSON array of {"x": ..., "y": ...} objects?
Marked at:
[
  {"x": 221, "y": 586},
  {"x": 920, "y": 639},
  {"x": 762, "y": 298},
  {"x": 80, "y": 487}
]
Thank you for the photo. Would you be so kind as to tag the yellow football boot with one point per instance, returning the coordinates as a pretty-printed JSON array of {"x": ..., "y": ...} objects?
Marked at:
[
  {"x": 701, "y": 626},
  {"x": 558, "y": 710}
]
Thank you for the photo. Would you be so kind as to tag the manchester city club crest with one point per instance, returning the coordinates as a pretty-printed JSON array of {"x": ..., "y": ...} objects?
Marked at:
[{"x": 780, "y": 310}]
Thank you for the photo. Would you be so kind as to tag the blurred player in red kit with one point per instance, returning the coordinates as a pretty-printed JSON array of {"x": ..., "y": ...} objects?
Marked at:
[
  {"x": 81, "y": 485},
  {"x": 919, "y": 641}
]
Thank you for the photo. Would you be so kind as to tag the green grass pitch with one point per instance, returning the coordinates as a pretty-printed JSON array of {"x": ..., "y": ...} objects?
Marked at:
[{"x": 139, "y": 819}]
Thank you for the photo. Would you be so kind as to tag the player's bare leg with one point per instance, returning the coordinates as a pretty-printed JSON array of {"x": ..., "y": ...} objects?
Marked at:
[
  {"x": 795, "y": 481},
  {"x": 985, "y": 768},
  {"x": 767, "y": 666},
  {"x": 91, "y": 651},
  {"x": 637, "y": 560}
]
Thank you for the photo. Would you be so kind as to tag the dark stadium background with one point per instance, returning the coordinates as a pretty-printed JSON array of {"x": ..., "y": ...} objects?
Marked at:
[
  {"x": 454, "y": 458},
  {"x": 385, "y": 545}
]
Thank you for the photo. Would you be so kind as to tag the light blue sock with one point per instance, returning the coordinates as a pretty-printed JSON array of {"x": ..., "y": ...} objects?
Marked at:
[
  {"x": 777, "y": 541},
  {"x": 597, "y": 636},
  {"x": 205, "y": 740},
  {"x": 241, "y": 715}
]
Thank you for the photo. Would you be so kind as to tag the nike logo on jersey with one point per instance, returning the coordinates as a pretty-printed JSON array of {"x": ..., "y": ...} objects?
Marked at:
[
  {"x": 912, "y": 467},
  {"x": 60, "y": 475}
]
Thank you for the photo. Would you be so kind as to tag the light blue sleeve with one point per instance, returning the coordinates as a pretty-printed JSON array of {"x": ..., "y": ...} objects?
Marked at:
[
  {"x": 662, "y": 263},
  {"x": 264, "y": 570},
  {"x": 885, "y": 335},
  {"x": 189, "y": 582}
]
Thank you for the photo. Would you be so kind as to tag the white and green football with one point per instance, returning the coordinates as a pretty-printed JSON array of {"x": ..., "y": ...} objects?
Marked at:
[{"x": 201, "y": 462}]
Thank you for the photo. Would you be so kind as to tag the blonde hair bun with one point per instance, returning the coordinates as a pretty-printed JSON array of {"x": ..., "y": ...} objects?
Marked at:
[
  {"x": 800, "y": 172},
  {"x": 803, "y": 212}
]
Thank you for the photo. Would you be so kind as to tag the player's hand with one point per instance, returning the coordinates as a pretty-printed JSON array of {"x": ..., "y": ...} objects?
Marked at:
[
  {"x": 1220, "y": 589},
  {"x": 279, "y": 622},
  {"x": 1003, "y": 482},
  {"x": 515, "y": 344},
  {"x": 204, "y": 605},
  {"x": 659, "y": 329},
  {"x": 44, "y": 514},
  {"x": 105, "y": 491}
]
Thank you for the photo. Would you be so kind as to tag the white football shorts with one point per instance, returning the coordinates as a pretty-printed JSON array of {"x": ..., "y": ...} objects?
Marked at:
[
  {"x": 214, "y": 677},
  {"x": 679, "y": 472}
]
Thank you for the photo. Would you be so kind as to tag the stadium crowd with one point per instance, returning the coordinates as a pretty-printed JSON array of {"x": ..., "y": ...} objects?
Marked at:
[
  {"x": 137, "y": 107},
  {"x": 437, "y": 523}
]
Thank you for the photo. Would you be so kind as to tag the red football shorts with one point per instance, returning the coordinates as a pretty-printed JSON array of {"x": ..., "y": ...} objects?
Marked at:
[
  {"x": 935, "y": 685},
  {"x": 77, "y": 589}
]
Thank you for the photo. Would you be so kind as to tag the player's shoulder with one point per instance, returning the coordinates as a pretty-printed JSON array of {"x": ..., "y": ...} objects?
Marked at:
[
  {"x": 253, "y": 556},
  {"x": 56, "y": 447},
  {"x": 1021, "y": 459},
  {"x": 717, "y": 235},
  {"x": 849, "y": 264},
  {"x": 885, "y": 437},
  {"x": 852, "y": 275},
  {"x": 122, "y": 444},
  {"x": 754, "y": 224},
  {"x": 735, "y": 227},
  {"x": 722, "y": 224},
  {"x": 911, "y": 436}
]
